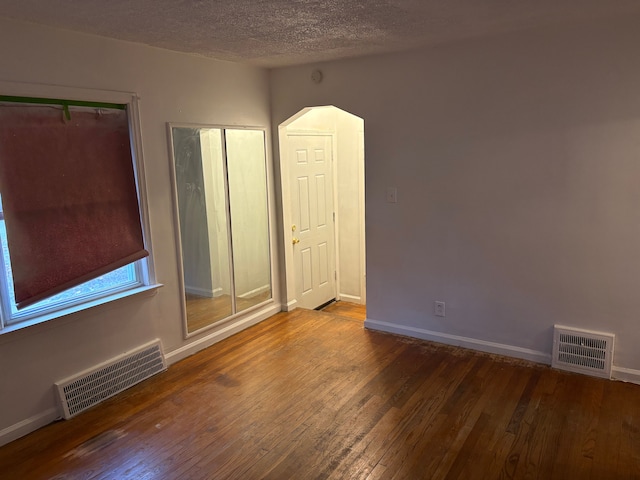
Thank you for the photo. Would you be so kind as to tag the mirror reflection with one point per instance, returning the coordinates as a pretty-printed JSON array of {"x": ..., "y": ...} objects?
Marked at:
[
  {"x": 221, "y": 187},
  {"x": 249, "y": 222}
]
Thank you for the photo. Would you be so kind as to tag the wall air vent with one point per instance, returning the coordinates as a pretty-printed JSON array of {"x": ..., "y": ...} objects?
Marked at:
[
  {"x": 582, "y": 351},
  {"x": 92, "y": 386}
]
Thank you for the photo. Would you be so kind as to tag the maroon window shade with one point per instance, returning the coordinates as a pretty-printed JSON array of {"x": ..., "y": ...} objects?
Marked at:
[{"x": 69, "y": 196}]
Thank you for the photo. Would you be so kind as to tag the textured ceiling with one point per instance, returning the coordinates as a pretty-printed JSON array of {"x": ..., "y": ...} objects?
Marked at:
[{"x": 274, "y": 33}]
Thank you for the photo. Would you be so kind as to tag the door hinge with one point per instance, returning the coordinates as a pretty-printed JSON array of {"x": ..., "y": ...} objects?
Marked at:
[
  {"x": 334, "y": 217},
  {"x": 335, "y": 275}
]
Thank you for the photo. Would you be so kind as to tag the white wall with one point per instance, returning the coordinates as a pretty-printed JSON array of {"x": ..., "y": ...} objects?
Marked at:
[
  {"x": 249, "y": 222},
  {"x": 172, "y": 87},
  {"x": 351, "y": 246},
  {"x": 195, "y": 222},
  {"x": 215, "y": 198},
  {"x": 517, "y": 161}
]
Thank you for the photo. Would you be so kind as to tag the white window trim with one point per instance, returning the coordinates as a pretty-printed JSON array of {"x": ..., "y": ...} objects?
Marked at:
[
  {"x": 146, "y": 268},
  {"x": 96, "y": 302}
]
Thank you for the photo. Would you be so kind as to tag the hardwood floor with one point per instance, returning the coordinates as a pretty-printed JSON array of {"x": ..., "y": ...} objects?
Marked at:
[
  {"x": 308, "y": 395},
  {"x": 347, "y": 309}
]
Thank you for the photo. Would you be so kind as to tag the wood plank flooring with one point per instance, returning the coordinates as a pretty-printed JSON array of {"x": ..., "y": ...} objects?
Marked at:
[
  {"x": 347, "y": 309},
  {"x": 312, "y": 395}
]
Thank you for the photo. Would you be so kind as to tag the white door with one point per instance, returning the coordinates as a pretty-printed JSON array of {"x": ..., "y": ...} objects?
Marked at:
[{"x": 313, "y": 219}]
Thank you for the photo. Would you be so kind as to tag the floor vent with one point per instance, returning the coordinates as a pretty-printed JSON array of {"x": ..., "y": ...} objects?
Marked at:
[
  {"x": 582, "y": 351},
  {"x": 92, "y": 386}
]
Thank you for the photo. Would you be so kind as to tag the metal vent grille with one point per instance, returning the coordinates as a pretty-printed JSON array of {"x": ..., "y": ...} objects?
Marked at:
[
  {"x": 583, "y": 351},
  {"x": 90, "y": 387}
]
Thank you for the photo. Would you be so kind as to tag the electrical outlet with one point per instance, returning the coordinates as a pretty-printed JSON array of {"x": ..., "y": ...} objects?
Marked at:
[{"x": 439, "y": 309}]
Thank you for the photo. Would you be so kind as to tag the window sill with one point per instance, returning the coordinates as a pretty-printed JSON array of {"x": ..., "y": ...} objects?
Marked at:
[{"x": 145, "y": 290}]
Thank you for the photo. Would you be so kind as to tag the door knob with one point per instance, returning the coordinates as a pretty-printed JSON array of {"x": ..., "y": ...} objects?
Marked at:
[{"x": 295, "y": 240}]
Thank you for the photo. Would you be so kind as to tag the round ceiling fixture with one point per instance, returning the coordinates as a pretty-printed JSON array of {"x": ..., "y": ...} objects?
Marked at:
[{"x": 316, "y": 76}]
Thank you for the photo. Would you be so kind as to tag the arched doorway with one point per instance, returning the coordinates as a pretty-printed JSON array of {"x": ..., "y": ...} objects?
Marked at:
[{"x": 322, "y": 174}]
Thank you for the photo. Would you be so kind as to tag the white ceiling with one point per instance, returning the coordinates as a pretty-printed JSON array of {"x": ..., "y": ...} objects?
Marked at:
[{"x": 274, "y": 33}]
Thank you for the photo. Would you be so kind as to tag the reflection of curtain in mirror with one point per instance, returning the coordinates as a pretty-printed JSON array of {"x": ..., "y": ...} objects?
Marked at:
[{"x": 192, "y": 212}]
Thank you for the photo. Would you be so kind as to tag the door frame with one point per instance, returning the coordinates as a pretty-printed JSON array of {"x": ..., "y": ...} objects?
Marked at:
[{"x": 291, "y": 300}]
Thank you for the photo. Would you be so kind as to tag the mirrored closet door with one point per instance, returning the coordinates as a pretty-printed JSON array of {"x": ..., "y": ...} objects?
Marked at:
[{"x": 220, "y": 186}]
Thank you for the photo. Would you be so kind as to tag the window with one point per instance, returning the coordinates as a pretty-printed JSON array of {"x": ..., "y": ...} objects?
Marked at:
[{"x": 71, "y": 229}]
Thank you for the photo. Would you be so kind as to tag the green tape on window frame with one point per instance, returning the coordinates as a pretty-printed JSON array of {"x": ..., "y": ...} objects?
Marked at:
[{"x": 61, "y": 102}]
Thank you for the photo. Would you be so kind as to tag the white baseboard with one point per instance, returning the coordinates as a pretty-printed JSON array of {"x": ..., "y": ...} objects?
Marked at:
[
  {"x": 458, "y": 341},
  {"x": 292, "y": 305},
  {"x": 625, "y": 374},
  {"x": 350, "y": 298},
  {"x": 218, "y": 292},
  {"x": 229, "y": 329},
  {"x": 255, "y": 291},
  {"x": 28, "y": 425},
  {"x": 200, "y": 292}
]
